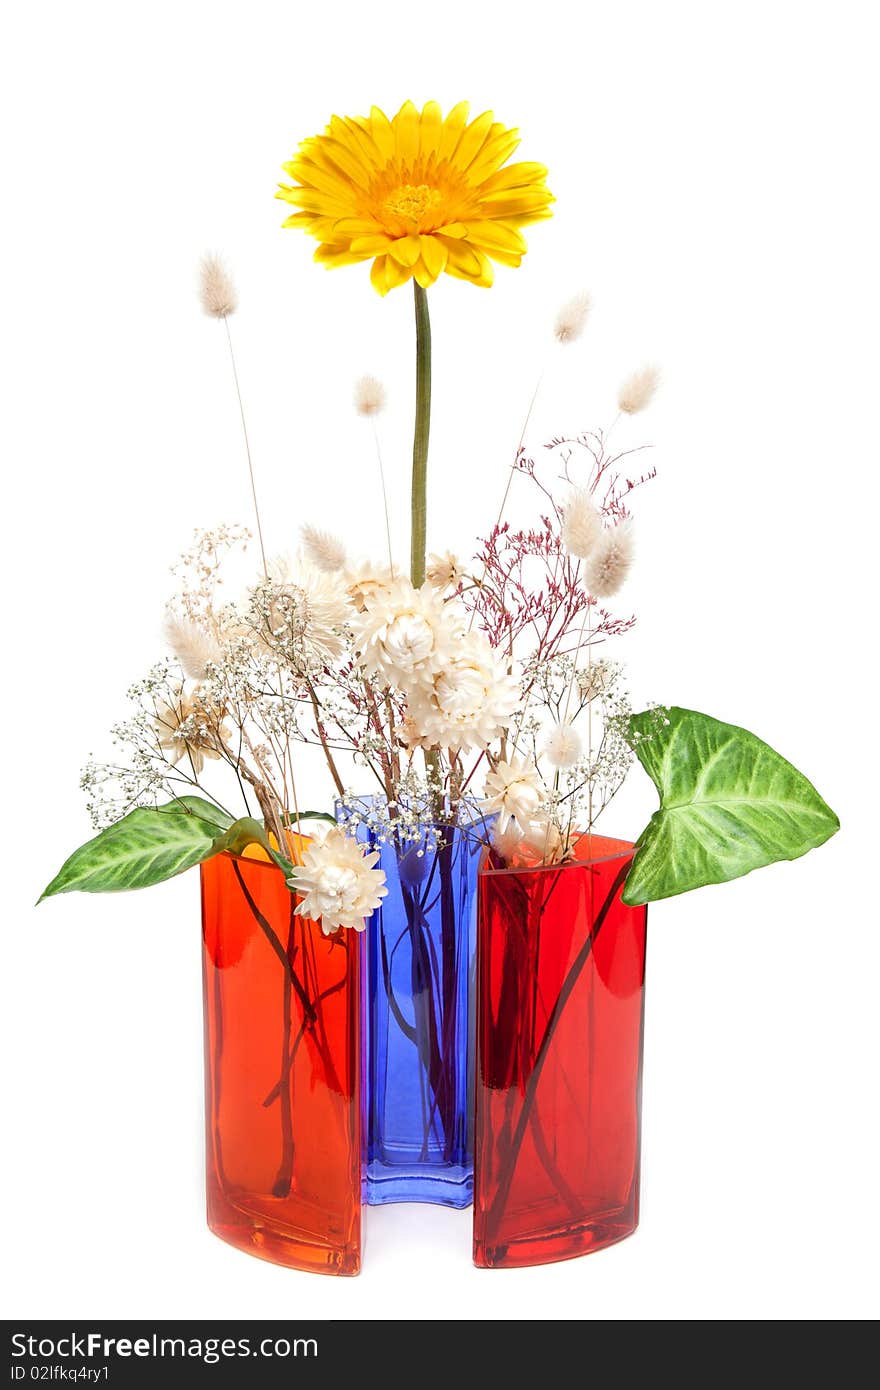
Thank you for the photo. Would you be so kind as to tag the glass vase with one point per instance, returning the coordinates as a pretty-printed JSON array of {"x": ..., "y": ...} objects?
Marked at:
[
  {"x": 419, "y": 1010},
  {"x": 282, "y": 1072},
  {"x": 560, "y": 993}
]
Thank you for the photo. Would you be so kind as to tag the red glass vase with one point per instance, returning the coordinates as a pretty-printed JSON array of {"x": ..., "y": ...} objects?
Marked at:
[
  {"x": 282, "y": 1072},
  {"x": 560, "y": 992}
]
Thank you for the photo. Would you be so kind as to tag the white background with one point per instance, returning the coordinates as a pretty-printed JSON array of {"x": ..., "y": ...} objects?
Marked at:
[{"x": 715, "y": 169}]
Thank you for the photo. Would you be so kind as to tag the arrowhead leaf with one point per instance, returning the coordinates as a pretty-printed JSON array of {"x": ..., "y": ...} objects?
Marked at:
[
  {"x": 248, "y": 831},
  {"x": 728, "y": 804},
  {"x": 147, "y": 846}
]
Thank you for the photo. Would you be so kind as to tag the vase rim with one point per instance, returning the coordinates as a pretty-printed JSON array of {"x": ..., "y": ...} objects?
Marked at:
[{"x": 622, "y": 849}]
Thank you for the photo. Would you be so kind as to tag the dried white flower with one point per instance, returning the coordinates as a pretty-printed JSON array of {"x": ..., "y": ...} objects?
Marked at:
[
  {"x": 183, "y": 727},
  {"x": 506, "y": 842},
  {"x": 581, "y": 524},
  {"x": 338, "y": 882},
  {"x": 572, "y": 318},
  {"x": 563, "y": 746},
  {"x": 364, "y": 579},
  {"x": 195, "y": 648},
  {"x": 469, "y": 699},
  {"x": 216, "y": 290},
  {"x": 444, "y": 571},
  {"x": 611, "y": 561},
  {"x": 323, "y": 549},
  {"x": 594, "y": 680},
  {"x": 543, "y": 836},
  {"x": 512, "y": 789},
  {"x": 638, "y": 390},
  {"x": 404, "y": 634},
  {"x": 369, "y": 396}
]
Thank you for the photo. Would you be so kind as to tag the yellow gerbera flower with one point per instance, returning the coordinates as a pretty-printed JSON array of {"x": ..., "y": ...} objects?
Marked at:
[{"x": 417, "y": 195}]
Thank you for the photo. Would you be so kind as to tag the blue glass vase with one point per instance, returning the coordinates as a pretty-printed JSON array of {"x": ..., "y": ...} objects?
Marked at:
[{"x": 419, "y": 1012}]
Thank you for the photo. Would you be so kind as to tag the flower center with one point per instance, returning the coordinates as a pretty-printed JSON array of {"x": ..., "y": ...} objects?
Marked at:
[
  {"x": 409, "y": 639},
  {"x": 461, "y": 691},
  {"x": 411, "y": 201}
]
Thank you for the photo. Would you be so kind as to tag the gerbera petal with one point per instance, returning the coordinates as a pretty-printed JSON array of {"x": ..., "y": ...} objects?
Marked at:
[
  {"x": 472, "y": 140},
  {"x": 332, "y": 256},
  {"x": 462, "y": 260},
  {"x": 406, "y": 133},
  {"x": 517, "y": 201},
  {"x": 496, "y": 236},
  {"x": 540, "y": 215},
  {"x": 312, "y": 174},
  {"x": 431, "y": 129},
  {"x": 452, "y": 128},
  {"x": 357, "y": 226},
  {"x": 342, "y": 164},
  {"x": 519, "y": 175},
  {"x": 405, "y": 250},
  {"x": 377, "y": 275},
  {"x": 423, "y": 276},
  {"x": 382, "y": 132},
  {"x": 347, "y": 135},
  {"x": 434, "y": 255},
  {"x": 361, "y": 139},
  {"x": 395, "y": 273},
  {"x": 505, "y": 258},
  {"x": 493, "y": 154},
  {"x": 320, "y": 203},
  {"x": 375, "y": 244}
]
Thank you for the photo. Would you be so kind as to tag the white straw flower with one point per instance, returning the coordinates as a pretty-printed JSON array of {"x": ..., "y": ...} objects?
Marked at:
[
  {"x": 364, "y": 579},
  {"x": 506, "y": 842},
  {"x": 611, "y": 561},
  {"x": 638, "y": 390},
  {"x": 581, "y": 524},
  {"x": 444, "y": 571},
  {"x": 194, "y": 648},
  {"x": 469, "y": 699},
  {"x": 563, "y": 746},
  {"x": 543, "y": 837},
  {"x": 183, "y": 728},
  {"x": 512, "y": 789},
  {"x": 216, "y": 290},
  {"x": 369, "y": 396},
  {"x": 338, "y": 882},
  {"x": 571, "y": 319},
  {"x": 404, "y": 634},
  {"x": 323, "y": 549}
]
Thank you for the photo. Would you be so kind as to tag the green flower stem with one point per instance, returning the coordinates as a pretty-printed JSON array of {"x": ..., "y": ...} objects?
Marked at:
[{"x": 420, "y": 438}]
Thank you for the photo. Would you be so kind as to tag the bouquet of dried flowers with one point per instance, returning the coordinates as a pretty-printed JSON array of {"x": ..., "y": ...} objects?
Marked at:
[{"x": 478, "y": 692}]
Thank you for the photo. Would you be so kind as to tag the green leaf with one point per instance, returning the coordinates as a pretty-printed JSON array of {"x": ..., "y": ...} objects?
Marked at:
[
  {"x": 147, "y": 846},
  {"x": 728, "y": 804},
  {"x": 248, "y": 831}
]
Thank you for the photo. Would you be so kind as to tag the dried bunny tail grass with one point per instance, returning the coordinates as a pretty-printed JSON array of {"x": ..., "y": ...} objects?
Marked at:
[
  {"x": 581, "y": 524},
  {"x": 610, "y": 563},
  {"x": 563, "y": 746},
  {"x": 369, "y": 396},
  {"x": 194, "y": 648},
  {"x": 324, "y": 550},
  {"x": 638, "y": 390},
  {"x": 216, "y": 290},
  {"x": 572, "y": 319}
]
